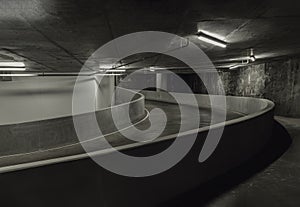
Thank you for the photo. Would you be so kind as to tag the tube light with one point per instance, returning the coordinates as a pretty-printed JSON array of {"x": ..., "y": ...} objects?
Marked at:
[
  {"x": 234, "y": 67},
  {"x": 114, "y": 70},
  {"x": 117, "y": 74},
  {"x": 111, "y": 66},
  {"x": 19, "y": 75},
  {"x": 12, "y": 69},
  {"x": 56, "y": 74},
  {"x": 211, "y": 40},
  {"x": 12, "y": 64}
]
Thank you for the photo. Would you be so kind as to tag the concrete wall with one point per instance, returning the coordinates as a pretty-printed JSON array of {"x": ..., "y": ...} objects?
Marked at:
[
  {"x": 278, "y": 81},
  {"x": 240, "y": 142},
  {"x": 38, "y": 98},
  {"x": 51, "y": 133}
]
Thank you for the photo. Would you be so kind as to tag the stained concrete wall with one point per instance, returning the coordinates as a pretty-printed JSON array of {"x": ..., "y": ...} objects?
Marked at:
[{"x": 277, "y": 80}]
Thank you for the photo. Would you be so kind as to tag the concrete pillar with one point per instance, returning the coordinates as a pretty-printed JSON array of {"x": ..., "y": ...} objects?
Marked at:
[
  {"x": 104, "y": 91},
  {"x": 161, "y": 81}
]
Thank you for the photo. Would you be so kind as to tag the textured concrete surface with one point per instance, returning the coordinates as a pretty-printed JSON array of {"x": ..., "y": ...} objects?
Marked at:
[
  {"x": 276, "y": 185},
  {"x": 277, "y": 80},
  {"x": 72, "y": 147},
  {"x": 57, "y": 35},
  {"x": 82, "y": 182},
  {"x": 51, "y": 132}
]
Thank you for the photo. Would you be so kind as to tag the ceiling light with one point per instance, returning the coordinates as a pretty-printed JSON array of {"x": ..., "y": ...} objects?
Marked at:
[
  {"x": 117, "y": 74},
  {"x": 12, "y": 64},
  {"x": 113, "y": 70},
  {"x": 106, "y": 66},
  {"x": 111, "y": 66},
  {"x": 234, "y": 67},
  {"x": 211, "y": 40},
  {"x": 19, "y": 75},
  {"x": 12, "y": 69},
  {"x": 152, "y": 68}
]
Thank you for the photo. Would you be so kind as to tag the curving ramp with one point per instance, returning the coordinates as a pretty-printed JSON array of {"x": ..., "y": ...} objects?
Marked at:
[{"x": 58, "y": 155}]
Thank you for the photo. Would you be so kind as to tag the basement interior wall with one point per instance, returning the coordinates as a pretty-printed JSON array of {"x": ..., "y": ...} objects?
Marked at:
[
  {"x": 278, "y": 81},
  {"x": 29, "y": 99}
]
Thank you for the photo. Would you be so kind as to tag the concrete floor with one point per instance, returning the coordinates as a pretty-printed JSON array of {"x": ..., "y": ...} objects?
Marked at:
[
  {"x": 275, "y": 185},
  {"x": 278, "y": 184}
]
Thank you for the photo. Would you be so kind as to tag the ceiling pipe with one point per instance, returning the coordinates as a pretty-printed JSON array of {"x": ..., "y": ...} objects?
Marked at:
[
  {"x": 239, "y": 65},
  {"x": 44, "y": 74}
]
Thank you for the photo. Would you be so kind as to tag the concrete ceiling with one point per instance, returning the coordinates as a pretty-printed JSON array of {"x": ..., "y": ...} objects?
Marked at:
[{"x": 59, "y": 35}]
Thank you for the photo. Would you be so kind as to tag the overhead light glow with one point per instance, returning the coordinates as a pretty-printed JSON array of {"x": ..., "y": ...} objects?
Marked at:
[
  {"x": 12, "y": 69},
  {"x": 219, "y": 44},
  {"x": 152, "y": 68},
  {"x": 12, "y": 64},
  {"x": 155, "y": 68},
  {"x": 106, "y": 66},
  {"x": 234, "y": 67},
  {"x": 111, "y": 66},
  {"x": 113, "y": 70},
  {"x": 211, "y": 40},
  {"x": 19, "y": 75},
  {"x": 117, "y": 74}
]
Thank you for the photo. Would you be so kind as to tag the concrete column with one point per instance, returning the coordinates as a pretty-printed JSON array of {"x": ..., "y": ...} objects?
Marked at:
[
  {"x": 161, "y": 81},
  {"x": 105, "y": 91}
]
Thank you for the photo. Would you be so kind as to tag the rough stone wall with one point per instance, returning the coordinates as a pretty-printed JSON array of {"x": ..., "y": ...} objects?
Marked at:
[
  {"x": 283, "y": 86},
  {"x": 229, "y": 82},
  {"x": 278, "y": 81},
  {"x": 251, "y": 81}
]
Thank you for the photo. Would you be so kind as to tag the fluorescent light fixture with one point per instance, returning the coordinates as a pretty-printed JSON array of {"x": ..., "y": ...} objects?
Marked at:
[
  {"x": 114, "y": 70},
  {"x": 56, "y": 74},
  {"x": 211, "y": 40},
  {"x": 152, "y": 68},
  {"x": 111, "y": 66},
  {"x": 12, "y": 64},
  {"x": 19, "y": 75},
  {"x": 234, "y": 67},
  {"x": 155, "y": 68},
  {"x": 12, "y": 69},
  {"x": 106, "y": 66},
  {"x": 117, "y": 74}
]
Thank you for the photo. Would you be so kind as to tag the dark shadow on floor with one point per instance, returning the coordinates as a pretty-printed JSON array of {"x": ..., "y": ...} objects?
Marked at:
[{"x": 278, "y": 144}]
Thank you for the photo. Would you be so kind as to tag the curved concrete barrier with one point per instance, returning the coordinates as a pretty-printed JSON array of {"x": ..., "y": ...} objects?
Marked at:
[
  {"x": 46, "y": 134},
  {"x": 242, "y": 139}
]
